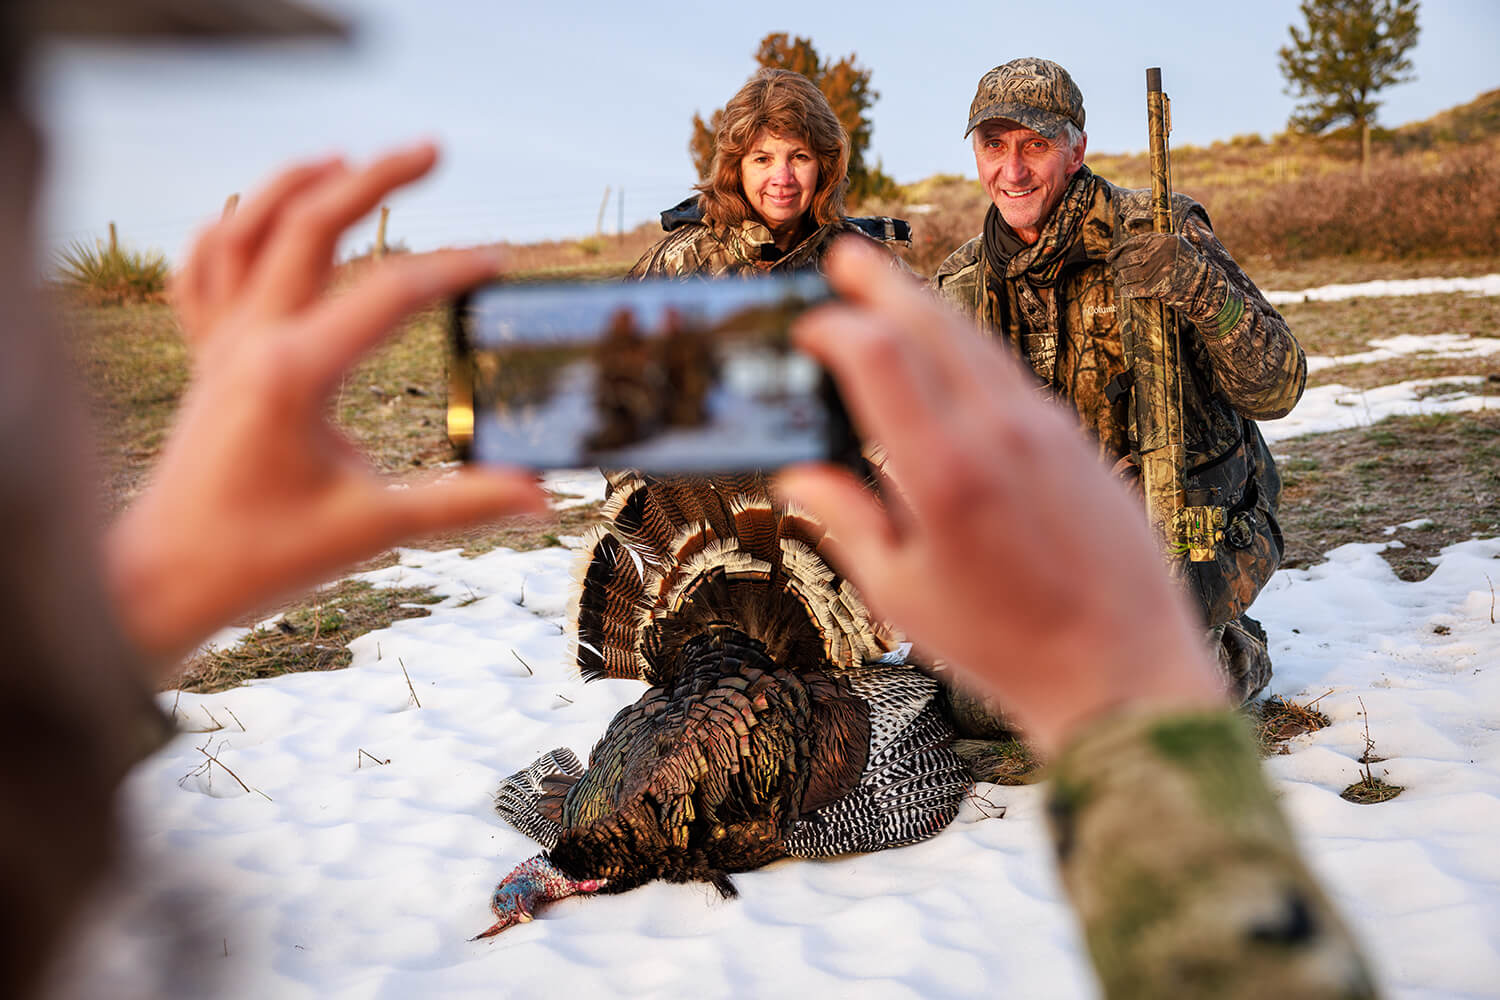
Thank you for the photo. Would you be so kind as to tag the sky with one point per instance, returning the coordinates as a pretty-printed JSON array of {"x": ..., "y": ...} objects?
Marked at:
[{"x": 540, "y": 108}]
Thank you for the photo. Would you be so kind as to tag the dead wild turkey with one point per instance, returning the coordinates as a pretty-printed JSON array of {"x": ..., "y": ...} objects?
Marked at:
[{"x": 771, "y": 728}]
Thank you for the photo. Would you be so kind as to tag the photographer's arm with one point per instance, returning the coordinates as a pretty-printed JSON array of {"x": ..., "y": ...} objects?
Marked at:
[
  {"x": 1019, "y": 560},
  {"x": 256, "y": 494}
]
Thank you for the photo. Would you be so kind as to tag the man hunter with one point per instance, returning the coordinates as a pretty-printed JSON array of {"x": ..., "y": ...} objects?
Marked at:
[{"x": 1061, "y": 253}]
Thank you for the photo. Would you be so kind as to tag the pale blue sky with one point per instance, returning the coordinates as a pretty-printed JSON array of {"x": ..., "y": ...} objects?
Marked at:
[{"x": 539, "y": 109}]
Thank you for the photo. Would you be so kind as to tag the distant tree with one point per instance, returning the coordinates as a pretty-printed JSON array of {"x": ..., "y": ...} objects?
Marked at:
[
  {"x": 1350, "y": 50},
  {"x": 844, "y": 83}
]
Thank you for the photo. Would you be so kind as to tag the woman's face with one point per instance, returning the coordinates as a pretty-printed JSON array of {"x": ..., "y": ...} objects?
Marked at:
[{"x": 780, "y": 176}]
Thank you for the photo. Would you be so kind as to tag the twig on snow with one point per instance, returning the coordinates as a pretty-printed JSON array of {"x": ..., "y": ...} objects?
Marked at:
[
  {"x": 359, "y": 761},
  {"x": 408, "y": 682},
  {"x": 204, "y": 751}
]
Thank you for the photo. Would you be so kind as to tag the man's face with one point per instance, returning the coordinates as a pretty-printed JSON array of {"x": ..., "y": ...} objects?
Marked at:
[{"x": 1024, "y": 172}]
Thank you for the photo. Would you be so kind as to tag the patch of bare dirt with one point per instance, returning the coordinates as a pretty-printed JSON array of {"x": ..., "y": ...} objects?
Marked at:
[{"x": 1349, "y": 486}]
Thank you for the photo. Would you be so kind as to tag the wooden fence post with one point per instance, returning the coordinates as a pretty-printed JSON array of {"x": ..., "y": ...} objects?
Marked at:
[
  {"x": 599, "y": 223},
  {"x": 385, "y": 213},
  {"x": 230, "y": 204},
  {"x": 114, "y": 241}
]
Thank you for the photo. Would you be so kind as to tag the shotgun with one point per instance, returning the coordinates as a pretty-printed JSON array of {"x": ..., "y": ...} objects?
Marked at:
[{"x": 1193, "y": 530}]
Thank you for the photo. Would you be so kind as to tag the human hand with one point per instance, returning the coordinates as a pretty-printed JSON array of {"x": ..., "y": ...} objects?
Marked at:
[
  {"x": 1009, "y": 551},
  {"x": 256, "y": 494},
  {"x": 1168, "y": 268}
]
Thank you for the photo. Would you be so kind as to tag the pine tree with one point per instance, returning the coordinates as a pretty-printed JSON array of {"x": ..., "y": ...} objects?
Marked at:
[
  {"x": 1350, "y": 50},
  {"x": 844, "y": 83}
]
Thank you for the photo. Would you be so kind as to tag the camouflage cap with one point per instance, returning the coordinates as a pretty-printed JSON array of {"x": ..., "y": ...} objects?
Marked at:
[{"x": 1036, "y": 93}]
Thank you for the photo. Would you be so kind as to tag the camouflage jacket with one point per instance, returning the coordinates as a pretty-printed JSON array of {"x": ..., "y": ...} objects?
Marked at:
[
  {"x": 1255, "y": 370},
  {"x": 1183, "y": 871},
  {"x": 692, "y": 247}
]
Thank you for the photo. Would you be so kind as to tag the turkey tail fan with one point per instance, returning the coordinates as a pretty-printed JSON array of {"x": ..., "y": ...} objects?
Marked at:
[
  {"x": 611, "y": 581},
  {"x": 679, "y": 554},
  {"x": 757, "y": 525},
  {"x": 729, "y": 589},
  {"x": 798, "y": 524},
  {"x": 850, "y": 636},
  {"x": 636, "y": 514},
  {"x": 686, "y": 500},
  {"x": 528, "y": 800}
]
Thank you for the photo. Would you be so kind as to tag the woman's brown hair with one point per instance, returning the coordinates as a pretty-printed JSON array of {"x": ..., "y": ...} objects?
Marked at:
[{"x": 786, "y": 104}]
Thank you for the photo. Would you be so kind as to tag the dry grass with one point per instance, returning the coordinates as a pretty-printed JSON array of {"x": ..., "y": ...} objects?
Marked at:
[
  {"x": 1348, "y": 326},
  {"x": 1277, "y": 721},
  {"x": 1370, "y": 788},
  {"x": 309, "y": 636},
  {"x": 1000, "y": 762},
  {"x": 1369, "y": 791},
  {"x": 1337, "y": 488},
  {"x": 110, "y": 275},
  {"x": 594, "y": 257}
]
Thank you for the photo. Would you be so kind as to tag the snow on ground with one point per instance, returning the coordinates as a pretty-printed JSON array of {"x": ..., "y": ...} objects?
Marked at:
[
  {"x": 1488, "y": 284},
  {"x": 579, "y": 487},
  {"x": 1440, "y": 345},
  {"x": 362, "y": 858},
  {"x": 1337, "y": 407}
]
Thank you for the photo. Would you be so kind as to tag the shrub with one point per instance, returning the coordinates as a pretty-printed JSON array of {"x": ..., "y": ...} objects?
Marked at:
[
  {"x": 1406, "y": 208},
  {"x": 112, "y": 275}
]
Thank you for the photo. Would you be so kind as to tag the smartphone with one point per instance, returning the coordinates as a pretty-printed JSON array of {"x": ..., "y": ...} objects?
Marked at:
[{"x": 662, "y": 376}]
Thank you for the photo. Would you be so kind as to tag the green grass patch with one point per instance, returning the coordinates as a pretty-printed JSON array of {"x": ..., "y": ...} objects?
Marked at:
[
  {"x": 312, "y": 635},
  {"x": 1448, "y": 470}
]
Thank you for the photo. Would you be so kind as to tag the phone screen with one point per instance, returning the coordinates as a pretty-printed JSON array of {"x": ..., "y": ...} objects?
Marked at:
[{"x": 661, "y": 376}]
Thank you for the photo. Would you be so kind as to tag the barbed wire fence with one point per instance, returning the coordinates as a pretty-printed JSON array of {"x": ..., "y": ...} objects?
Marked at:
[{"x": 420, "y": 226}]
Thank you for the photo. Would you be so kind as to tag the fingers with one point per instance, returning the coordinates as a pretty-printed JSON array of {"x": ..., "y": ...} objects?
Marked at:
[
  {"x": 859, "y": 531},
  {"x": 341, "y": 328},
  {"x": 879, "y": 372},
  {"x": 243, "y": 234},
  {"x": 299, "y": 253},
  {"x": 472, "y": 496},
  {"x": 953, "y": 352},
  {"x": 224, "y": 253},
  {"x": 918, "y": 378},
  {"x": 862, "y": 541}
]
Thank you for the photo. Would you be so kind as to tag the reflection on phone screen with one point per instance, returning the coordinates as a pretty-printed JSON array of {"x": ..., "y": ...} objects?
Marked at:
[{"x": 663, "y": 376}]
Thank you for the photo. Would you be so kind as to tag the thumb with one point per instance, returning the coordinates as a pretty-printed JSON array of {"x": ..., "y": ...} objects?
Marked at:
[
  {"x": 470, "y": 497},
  {"x": 861, "y": 540}
]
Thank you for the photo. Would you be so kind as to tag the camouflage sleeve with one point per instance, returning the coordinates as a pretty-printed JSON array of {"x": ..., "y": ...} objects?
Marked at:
[
  {"x": 1257, "y": 362},
  {"x": 673, "y": 256},
  {"x": 1183, "y": 870},
  {"x": 957, "y": 280}
]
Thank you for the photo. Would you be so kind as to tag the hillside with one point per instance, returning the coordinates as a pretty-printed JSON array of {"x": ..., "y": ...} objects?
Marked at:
[
  {"x": 1433, "y": 191},
  {"x": 1467, "y": 123}
]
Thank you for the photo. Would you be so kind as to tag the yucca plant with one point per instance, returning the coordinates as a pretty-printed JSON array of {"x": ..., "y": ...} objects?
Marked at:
[{"x": 108, "y": 274}]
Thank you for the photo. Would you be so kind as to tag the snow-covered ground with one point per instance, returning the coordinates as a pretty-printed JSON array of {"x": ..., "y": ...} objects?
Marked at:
[
  {"x": 362, "y": 857},
  {"x": 1488, "y": 284}
]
